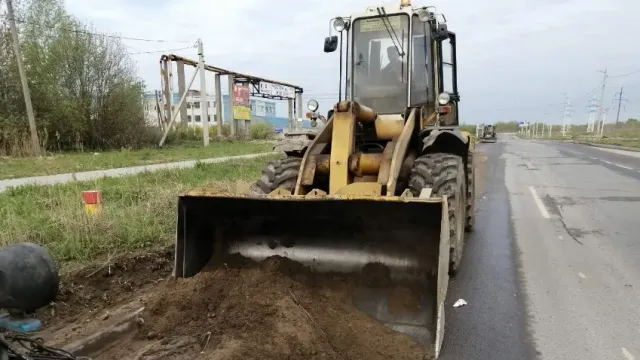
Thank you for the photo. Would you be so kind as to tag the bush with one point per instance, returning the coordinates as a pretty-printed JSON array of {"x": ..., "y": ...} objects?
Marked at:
[
  {"x": 226, "y": 130},
  {"x": 261, "y": 131},
  {"x": 183, "y": 132}
]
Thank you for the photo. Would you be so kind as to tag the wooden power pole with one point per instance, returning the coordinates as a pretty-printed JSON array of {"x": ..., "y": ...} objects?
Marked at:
[{"x": 35, "y": 143}]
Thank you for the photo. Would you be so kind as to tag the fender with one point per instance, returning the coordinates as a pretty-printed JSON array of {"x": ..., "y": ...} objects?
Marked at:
[{"x": 447, "y": 141}]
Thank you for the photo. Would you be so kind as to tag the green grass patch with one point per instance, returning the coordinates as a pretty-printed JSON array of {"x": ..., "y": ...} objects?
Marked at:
[
  {"x": 14, "y": 167},
  {"x": 619, "y": 142},
  {"x": 139, "y": 211}
]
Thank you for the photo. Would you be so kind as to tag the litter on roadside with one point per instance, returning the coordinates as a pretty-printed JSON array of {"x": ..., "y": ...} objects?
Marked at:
[{"x": 459, "y": 303}]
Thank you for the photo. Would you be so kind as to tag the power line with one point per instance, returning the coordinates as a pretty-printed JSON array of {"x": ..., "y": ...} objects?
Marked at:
[
  {"x": 161, "y": 51},
  {"x": 590, "y": 92},
  {"x": 76, "y": 31},
  {"x": 627, "y": 74}
]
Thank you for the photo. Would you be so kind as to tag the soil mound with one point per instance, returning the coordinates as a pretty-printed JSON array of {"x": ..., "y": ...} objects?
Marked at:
[{"x": 273, "y": 310}]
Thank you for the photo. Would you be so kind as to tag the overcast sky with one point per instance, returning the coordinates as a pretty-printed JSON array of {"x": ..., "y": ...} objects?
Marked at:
[{"x": 516, "y": 58}]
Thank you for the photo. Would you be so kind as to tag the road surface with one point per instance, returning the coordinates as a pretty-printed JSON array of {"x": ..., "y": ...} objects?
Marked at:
[{"x": 553, "y": 268}]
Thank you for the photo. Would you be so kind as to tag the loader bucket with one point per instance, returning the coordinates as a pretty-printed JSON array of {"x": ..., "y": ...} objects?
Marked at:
[{"x": 407, "y": 237}]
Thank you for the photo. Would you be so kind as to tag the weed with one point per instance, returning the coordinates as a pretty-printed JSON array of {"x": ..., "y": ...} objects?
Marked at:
[{"x": 138, "y": 211}]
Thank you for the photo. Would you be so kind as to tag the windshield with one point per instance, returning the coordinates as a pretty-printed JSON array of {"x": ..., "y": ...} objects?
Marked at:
[{"x": 380, "y": 63}]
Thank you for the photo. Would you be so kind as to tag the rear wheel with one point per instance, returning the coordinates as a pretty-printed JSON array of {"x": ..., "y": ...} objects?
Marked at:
[
  {"x": 280, "y": 173},
  {"x": 445, "y": 174},
  {"x": 471, "y": 194}
]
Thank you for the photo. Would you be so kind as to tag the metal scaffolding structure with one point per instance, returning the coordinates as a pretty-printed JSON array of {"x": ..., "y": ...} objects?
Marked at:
[{"x": 257, "y": 87}]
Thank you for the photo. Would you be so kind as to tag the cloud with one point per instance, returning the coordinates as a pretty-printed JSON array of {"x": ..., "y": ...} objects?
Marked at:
[{"x": 515, "y": 57}]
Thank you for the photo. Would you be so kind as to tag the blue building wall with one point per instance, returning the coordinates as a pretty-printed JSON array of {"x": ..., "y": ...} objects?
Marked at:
[
  {"x": 270, "y": 114},
  {"x": 269, "y": 107}
]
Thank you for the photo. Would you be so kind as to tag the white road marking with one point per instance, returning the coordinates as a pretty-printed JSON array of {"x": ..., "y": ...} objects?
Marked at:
[
  {"x": 627, "y": 354},
  {"x": 560, "y": 237},
  {"x": 582, "y": 275},
  {"x": 624, "y": 167},
  {"x": 594, "y": 158},
  {"x": 536, "y": 198},
  {"x": 608, "y": 162}
]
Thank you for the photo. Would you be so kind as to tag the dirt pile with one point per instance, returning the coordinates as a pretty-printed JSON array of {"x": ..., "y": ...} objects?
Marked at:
[
  {"x": 275, "y": 310},
  {"x": 94, "y": 288}
]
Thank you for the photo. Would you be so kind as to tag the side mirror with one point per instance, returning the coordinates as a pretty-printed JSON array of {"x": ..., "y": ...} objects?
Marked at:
[
  {"x": 330, "y": 44},
  {"x": 440, "y": 32}
]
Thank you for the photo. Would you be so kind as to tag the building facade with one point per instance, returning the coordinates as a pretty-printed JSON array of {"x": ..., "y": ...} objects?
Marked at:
[{"x": 260, "y": 109}]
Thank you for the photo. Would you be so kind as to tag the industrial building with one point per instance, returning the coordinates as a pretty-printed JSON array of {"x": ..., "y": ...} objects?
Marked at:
[{"x": 261, "y": 110}]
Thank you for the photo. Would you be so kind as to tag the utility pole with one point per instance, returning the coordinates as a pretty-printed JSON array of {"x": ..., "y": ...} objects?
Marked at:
[
  {"x": 35, "y": 142},
  {"x": 566, "y": 115},
  {"x": 292, "y": 121},
  {"x": 601, "y": 105},
  {"x": 620, "y": 100},
  {"x": 218, "y": 105},
  {"x": 603, "y": 117},
  {"x": 591, "y": 122},
  {"x": 204, "y": 110},
  {"x": 232, "y": 120}
]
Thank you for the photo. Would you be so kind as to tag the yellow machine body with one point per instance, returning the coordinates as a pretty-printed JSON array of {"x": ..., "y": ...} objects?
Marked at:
[{"x": 345, "y": 207}]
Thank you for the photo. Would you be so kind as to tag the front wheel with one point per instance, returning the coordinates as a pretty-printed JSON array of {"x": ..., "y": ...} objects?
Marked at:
[
  {"x": 280, "y": 173},
  {"x": 445, "y": 174}
]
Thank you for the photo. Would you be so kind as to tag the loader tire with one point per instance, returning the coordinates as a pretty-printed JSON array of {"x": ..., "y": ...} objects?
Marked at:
[
  {"x": 280, "y": 173},
  {"x": 471, "y": 194},
  {"x": 445, "y": 174}
]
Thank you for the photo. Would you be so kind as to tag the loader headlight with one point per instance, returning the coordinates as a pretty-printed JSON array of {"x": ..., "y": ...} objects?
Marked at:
[
  {"x": 312, "y": 105},
  {"x": 424, "y": 15},
  {"x": 444, "y": 98},
  {"x": 339, "y": 24}
]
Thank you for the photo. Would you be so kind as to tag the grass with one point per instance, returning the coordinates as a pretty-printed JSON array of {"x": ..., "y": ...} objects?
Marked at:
[
  {"x": 625, "y": 134},
  {"x": 139, "y": 211},
  {"x": 15, "y": 167},
  {"x": 619, "y": 142}
]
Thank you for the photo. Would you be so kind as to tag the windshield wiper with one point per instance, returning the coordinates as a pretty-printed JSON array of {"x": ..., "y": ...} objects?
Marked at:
[{"x": 392, "y": 33}]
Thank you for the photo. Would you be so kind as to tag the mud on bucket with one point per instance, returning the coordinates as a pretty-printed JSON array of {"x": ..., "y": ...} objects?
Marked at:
[{"x": 397, "y": 249}]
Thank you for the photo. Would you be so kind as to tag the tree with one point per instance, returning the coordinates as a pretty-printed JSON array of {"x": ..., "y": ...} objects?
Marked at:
[{"x": 84, "y": 85}]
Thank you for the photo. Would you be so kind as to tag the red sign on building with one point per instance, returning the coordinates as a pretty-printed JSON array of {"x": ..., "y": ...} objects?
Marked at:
[{"x": 240, "y": 95}]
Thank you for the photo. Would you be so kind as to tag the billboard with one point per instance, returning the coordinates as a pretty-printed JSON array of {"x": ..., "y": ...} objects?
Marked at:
[
  {"x": 241, "y": 109},
  {"x": 277, "y": 90}
]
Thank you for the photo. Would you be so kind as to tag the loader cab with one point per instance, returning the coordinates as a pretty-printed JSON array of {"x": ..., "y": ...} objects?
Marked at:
[{"x": 397, "y": 57}]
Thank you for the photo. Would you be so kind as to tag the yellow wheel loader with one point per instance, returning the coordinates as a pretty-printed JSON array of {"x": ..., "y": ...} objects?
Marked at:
[{"x": 384, "y": 191}]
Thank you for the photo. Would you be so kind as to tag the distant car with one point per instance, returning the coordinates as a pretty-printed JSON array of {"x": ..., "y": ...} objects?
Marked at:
[{"x": 278, "y": 130}]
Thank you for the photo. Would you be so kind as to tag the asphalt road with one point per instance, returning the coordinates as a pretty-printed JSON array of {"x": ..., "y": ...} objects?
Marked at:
[{"x": 553, "y": 268}]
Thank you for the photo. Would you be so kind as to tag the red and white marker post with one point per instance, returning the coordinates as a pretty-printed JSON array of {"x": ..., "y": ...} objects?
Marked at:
[{"x": 92, "y": 200}]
